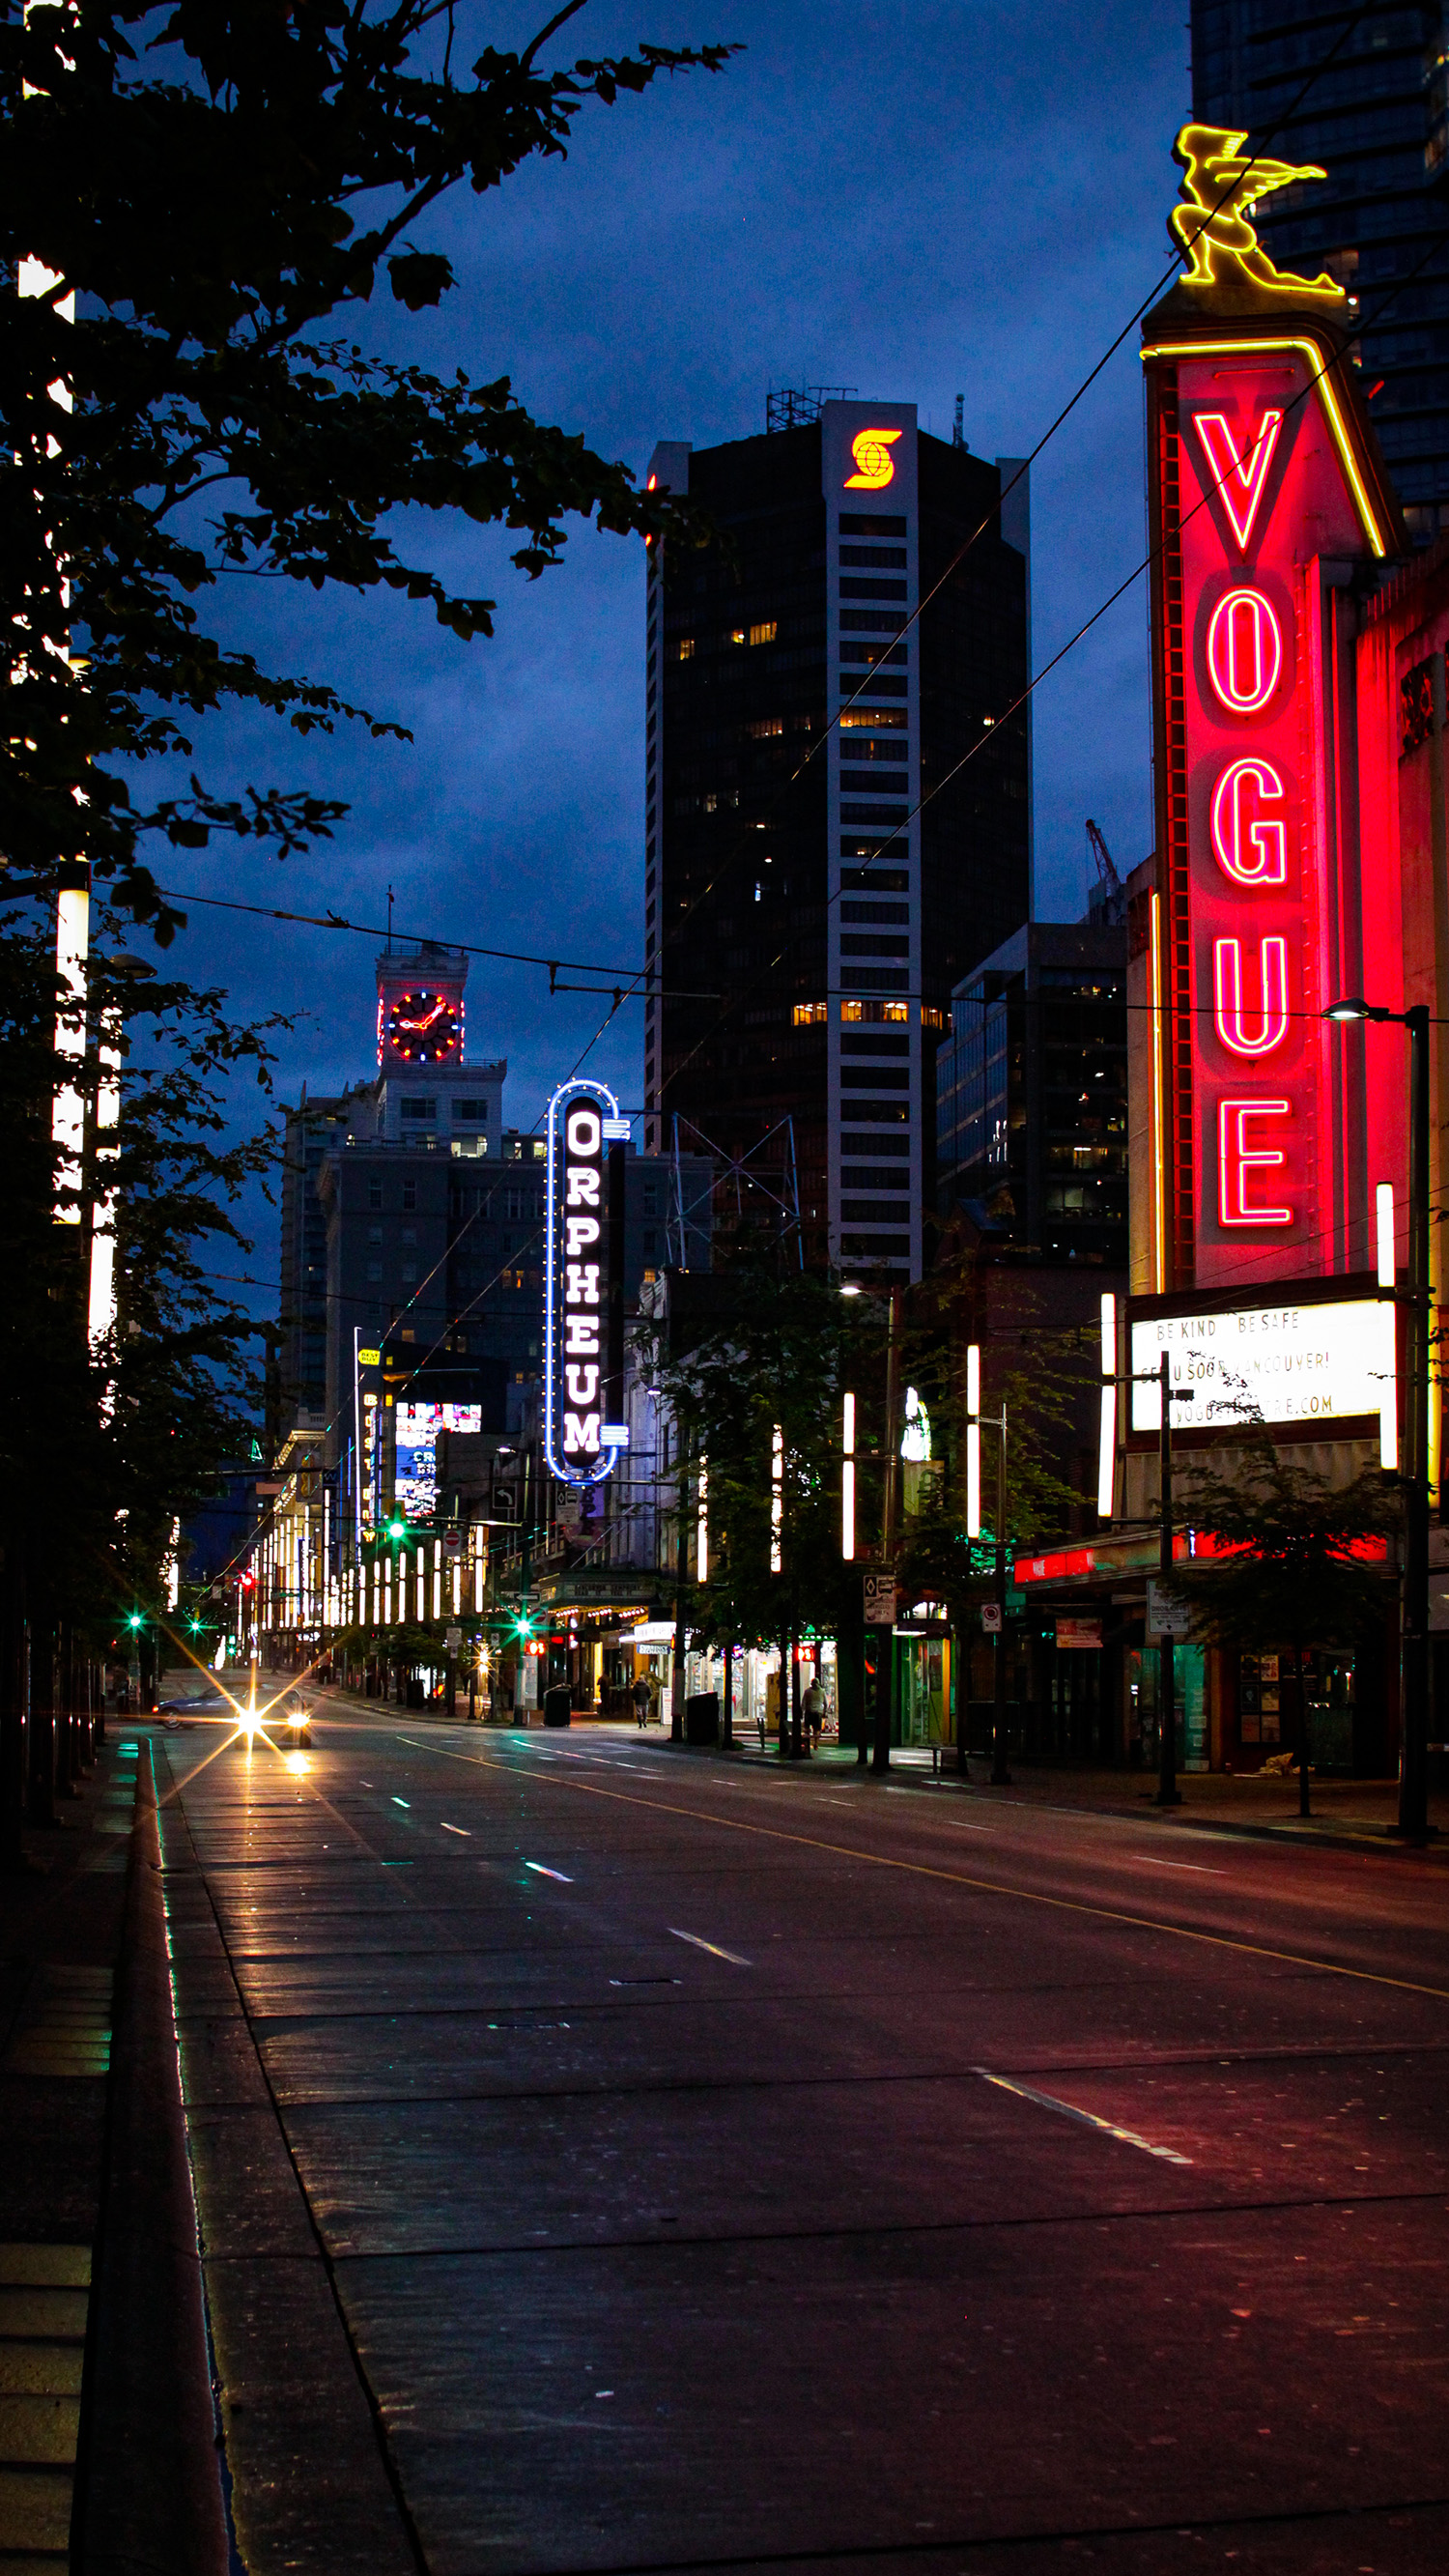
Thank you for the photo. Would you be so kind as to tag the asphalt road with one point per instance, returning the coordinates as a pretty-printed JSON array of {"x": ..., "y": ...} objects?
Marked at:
[{"x": 613, "y": 2158}]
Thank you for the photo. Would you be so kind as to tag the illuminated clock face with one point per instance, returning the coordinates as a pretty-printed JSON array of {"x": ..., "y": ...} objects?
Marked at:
[{"x": 423, "y": 1028}]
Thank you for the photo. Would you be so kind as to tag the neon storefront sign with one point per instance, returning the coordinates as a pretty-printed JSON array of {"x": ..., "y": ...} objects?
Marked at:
[
  {"x": 580, "y": 1445},
  {"x": 1262, "y": 503}
]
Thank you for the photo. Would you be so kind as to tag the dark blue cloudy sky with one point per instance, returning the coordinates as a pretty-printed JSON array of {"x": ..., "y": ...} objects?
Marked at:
[{"x": 915, "y": 200}]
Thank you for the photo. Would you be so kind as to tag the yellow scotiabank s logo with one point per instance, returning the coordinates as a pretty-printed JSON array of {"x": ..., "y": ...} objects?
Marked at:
[{"x": 875, "y": 466}]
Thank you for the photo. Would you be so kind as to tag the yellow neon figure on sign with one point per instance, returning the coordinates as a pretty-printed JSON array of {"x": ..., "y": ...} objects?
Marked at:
[
  {"x": 1220, "y": 189},
  {"x": 875, "y": 465}
]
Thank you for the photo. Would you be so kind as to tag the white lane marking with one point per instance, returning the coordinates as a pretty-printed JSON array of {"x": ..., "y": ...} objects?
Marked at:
[
  {"x": 538, "y": 1867},
  {"x": 712, "y": 1947},
  {"x": 465, "y": 1830},
  {"x": 1200, "y": 1867},
  {"x": 1069, "y": 2110}
]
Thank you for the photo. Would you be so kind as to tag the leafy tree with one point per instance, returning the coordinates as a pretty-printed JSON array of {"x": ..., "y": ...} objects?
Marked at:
[
  {"x": 1037, "y": 1373},
  {"x": 222, "y": 190},
  {"x": 790, "y": 1346},
  {"x": 1302, "y": 1559}
]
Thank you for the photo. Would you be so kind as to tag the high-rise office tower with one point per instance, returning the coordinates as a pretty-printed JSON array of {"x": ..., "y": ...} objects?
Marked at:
[
  {"x": 839, "y": 807},
  {"x": 1376, "y": 118}
]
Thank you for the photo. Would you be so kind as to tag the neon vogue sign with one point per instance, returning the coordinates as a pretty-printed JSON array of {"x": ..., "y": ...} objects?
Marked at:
[
  {"x": 1265, "y": 501},
  {"x": 1244, "y": 658},
  {"x": 580, "y": 1446}
]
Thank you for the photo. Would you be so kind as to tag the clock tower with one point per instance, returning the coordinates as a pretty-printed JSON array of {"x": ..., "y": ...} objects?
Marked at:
[{"x": 420, "y": 1008}]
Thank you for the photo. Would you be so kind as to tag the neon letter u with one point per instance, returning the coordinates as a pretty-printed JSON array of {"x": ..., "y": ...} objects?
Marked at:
[{"x": 1228, "y": 996}]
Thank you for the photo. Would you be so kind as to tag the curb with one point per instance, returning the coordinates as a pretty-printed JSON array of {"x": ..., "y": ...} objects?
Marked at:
[{"x": 151, "y": 2494}]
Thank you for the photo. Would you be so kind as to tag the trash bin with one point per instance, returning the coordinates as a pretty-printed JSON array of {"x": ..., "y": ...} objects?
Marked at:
[
  {"x": 558, "y": 1705},
  {"x": 417, "y": 1696},
  {"x": 701, "y": 1718}
]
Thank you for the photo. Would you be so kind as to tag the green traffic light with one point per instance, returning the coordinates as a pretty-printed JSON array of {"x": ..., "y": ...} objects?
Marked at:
[{"x": 135, "y": 1620}]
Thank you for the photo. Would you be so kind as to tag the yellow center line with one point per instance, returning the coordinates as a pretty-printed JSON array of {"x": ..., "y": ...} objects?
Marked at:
[{"x": 952, "y": 1877}]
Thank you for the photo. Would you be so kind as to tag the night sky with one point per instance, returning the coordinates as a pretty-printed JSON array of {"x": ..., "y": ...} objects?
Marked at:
[{"x": 916, "y": 202}]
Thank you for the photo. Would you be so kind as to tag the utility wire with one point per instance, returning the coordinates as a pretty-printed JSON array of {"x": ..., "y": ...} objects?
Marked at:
[
  {"x": 634, "y": 976},
  {"x": 1315, "y": 378},
  {"x": 992, "y": 517}
]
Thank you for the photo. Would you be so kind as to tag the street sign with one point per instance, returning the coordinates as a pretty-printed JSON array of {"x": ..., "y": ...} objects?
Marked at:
[
  {"x": 880, "y": 1597},
  {"x": 1078, "y": 1634},
  {"x": 991, "y": 1618},
  {"x": 453, "y": 1639},
  {"x": 1168, "y": 1615},
  {"x": 453, "y": 1540}
]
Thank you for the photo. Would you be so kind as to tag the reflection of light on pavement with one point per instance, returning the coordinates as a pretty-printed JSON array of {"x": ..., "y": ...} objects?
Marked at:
[{"x": 297, "y": 1762}]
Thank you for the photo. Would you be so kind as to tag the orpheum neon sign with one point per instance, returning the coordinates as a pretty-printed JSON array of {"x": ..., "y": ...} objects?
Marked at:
[
  {"x": 1254, "y": 502},
  {"x": 580, "y": 1445}
]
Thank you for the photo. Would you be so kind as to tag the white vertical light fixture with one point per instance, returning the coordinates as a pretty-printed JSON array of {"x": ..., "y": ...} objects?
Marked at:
[
  {"x": 847, "y": 1478},
  {"x": 973, "y": 1440},
  {"x": 1384, "y": 1210},
  {"x": 68, "y": 1116},
  {"x": 1388, "y": 1327},
  {"x": 1107, "y": 1439},
  {"x": 73, "y": 903},
  {"x": 101, "y": 1313},
  {"x": 777, "y": 1497}
]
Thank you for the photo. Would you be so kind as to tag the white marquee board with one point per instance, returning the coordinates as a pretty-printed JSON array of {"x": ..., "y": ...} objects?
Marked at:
[{"x": 1291, "y": 1363}]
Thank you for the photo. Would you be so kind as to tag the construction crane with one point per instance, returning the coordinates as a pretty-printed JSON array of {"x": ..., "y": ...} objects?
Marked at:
[{"x": 1102, "y": 860}]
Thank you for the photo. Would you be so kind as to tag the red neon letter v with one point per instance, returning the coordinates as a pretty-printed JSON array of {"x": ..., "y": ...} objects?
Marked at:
[{"x": 1238, "y": 474}]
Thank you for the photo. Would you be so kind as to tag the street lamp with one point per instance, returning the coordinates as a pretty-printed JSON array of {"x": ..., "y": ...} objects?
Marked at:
[
  {"x": 1000, "y": 1774},
  {"x": 1414, "y": 1651},
  {"x": 891, "y": 1299}
]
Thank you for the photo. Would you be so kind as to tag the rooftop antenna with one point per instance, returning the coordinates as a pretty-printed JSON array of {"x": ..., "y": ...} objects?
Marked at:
[
  {"x": 958, "y": 435},
  {"x": 389, "y": 921}
]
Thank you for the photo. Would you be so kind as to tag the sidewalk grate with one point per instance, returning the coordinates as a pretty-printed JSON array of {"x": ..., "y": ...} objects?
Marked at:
[
  {"x": 65, "y": 2025},
  {"x": 44, "y": 2301}
]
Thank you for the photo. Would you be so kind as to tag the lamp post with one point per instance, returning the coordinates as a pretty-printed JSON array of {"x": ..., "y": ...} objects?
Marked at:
[
  {"x": 1000, "y": 1774},
  {"x": 880, "y": 1759},
  {"x": 1414, "y": 1648}
]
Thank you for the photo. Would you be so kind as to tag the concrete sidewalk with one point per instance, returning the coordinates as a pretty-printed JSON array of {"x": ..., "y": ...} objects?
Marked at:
[
  {"x": 108, "y": 2458},
  {"x": 1345, "y": 1812}
]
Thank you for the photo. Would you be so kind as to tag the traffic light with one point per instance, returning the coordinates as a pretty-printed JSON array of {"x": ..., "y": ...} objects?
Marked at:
[
  {"x": 135, "y": 1620},
  {"x": 523, "y": 1624}
]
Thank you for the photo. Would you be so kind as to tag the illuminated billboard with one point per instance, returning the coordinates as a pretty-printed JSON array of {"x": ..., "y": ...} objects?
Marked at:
[
  {"x": 580, "y": 1445},
  {"x": 1321, "y": 1361},
  {"x": 415, "y": 1475}
]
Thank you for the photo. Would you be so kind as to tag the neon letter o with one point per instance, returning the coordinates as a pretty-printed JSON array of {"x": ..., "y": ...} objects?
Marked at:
[
  {"x": 1251, "y": 853},
  {"x": 1244, "y": 651},
  {"x": 584, "y": 1133}
]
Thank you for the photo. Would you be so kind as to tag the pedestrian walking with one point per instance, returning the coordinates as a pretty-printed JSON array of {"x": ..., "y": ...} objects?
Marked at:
[
  {"x": 641, "y": 1701},
  {"x": 812, "y": 1709}
]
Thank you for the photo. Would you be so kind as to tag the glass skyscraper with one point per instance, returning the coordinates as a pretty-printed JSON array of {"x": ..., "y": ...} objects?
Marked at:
[
  {"x": 839, "y": 808},
  {"x": 1377, "y": 119}
]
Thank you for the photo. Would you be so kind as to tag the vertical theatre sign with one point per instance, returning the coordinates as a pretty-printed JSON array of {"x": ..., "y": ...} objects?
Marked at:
[
  {"x": 1266, "y": 494},
  {"x": 580, "y": 1445}
]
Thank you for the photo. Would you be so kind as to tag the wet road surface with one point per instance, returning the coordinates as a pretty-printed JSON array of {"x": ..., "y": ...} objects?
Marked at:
[{"x": 612, "y": 2158}]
